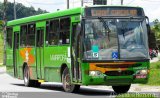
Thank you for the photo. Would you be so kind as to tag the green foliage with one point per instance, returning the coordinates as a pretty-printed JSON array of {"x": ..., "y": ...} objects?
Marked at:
[
  {"x": 155, "y": 65},
  {"x": 1, "y": 24},
  {"x": 136, "y": 95},
  {"x": 154, "y": 78},
  {"x": 156, "y": 28},
  {"x": 22, "y": 11},
  {"x": 1, "y": 49}
]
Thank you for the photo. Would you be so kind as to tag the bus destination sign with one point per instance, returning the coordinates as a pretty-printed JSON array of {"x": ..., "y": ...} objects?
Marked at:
[{"x": 114, "y": 12}]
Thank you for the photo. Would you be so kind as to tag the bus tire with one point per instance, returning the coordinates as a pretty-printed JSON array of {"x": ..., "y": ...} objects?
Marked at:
[
  {"x": 66, "y": 80},
  {"x": 121, "y": 89},
  {"x": 27, "y": 81}
]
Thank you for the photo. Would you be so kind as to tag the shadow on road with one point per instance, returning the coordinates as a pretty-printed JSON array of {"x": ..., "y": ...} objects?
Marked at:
[
  {"x": 95, "y": 92},
  {"x": 82, "y": 91},
  {"x": 46, "y": 87}
]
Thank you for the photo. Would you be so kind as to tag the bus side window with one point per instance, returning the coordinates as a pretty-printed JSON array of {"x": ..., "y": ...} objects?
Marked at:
[
  {"x": 31, "y": 35},
  {"x": 23, "y": 35},
  {"x": 9, "y": 37},
  {"x": 53, "y": 32},
  {"x": 65, "y": 31},
  {"x": 47, "y": 32}
]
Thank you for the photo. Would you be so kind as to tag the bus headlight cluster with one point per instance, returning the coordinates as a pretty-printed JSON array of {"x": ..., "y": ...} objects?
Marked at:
[
  {"x": 94, "y": 73},
  {"x": 142, "y": 73}
]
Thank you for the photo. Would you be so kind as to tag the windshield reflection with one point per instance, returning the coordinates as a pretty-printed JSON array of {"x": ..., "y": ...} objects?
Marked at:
[
  {"x": 115, "y": 39},
  {"x": 132, "y": 39}
]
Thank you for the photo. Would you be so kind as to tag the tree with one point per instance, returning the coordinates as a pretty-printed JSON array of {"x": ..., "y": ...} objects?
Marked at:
[
  {"x": 156, "y": 30},
  {"x": 152, "y": 40},
  {"x": 22, "y": 11},
  {"x": 4, "y": 24}
]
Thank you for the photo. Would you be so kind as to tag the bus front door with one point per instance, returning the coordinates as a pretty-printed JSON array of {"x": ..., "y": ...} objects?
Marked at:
[
  {"x": 75, "y": 56},
  {"x": 39, "y": 52},
  {"x": 15, "y": 53}
]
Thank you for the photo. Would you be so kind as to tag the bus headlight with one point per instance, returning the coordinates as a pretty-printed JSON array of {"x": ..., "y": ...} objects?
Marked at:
[
  {"x": 143, "y": 72},
  {"x": 94, "y": 73}
]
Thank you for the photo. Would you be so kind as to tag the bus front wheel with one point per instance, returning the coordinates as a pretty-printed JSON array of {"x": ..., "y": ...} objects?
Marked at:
[
  {"x": 67, "y": 85},
  {"x": 121, "y": 89},
  {"x": 27, "y": 81}
]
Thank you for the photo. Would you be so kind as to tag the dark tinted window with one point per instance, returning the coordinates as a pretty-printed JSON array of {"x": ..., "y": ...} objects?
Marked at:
[
  {"x": 27, "y": 35},
  {"x": 53, "y": 32},
  {"x": 64, "y": 31},
  {"x": 31, "y": 35},
  {"x": 9, "y": 37},
  {"x": 58, "y": 31},
  {"x": 23, "y": 35}
]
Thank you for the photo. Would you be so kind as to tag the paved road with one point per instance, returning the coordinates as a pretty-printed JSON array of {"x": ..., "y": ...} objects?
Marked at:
[
  {"x": 51, "y": 90},
  {"x": 54, "y": 90}
]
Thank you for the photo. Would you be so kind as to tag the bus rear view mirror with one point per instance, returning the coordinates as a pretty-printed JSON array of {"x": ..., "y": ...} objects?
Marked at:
[
  {"x": 148, "y": 29},
  {"x": 148, "y": 26}
]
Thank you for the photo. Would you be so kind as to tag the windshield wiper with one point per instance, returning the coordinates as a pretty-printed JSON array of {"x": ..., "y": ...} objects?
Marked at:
[{"x": 105, "y": 26}]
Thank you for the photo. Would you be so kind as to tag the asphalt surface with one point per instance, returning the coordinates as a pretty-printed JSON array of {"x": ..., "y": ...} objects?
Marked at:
[{"x": 14, "y": 88}]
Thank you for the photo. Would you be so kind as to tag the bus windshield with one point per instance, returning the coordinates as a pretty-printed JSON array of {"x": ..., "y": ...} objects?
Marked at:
[{"x": 108, "y": 39}]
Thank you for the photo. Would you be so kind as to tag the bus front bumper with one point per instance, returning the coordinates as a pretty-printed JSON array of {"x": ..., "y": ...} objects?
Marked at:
[{"x": 116, "y": 80}]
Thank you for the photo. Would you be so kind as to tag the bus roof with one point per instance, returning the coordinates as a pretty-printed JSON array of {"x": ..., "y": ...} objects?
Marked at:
[
  {"x": 51, "y": 15},
  {"x": 45, "y": 16}
]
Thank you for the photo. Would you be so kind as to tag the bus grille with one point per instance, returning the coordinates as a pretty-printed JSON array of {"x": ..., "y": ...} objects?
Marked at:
[
  {"x": 119, "y": 73},
  {"x": 117, "y": 66}
]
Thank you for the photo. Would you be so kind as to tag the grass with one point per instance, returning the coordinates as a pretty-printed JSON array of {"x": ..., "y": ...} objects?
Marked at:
[
  {"x": 154, "y": 78},
  {"x": 135, "y": 95},
  {"x": 155, "y": 65},
  {"x": 1, "y": 50}
]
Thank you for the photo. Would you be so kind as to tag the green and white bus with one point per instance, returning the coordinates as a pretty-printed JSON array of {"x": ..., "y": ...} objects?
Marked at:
[{"x": 96, "y": 45}]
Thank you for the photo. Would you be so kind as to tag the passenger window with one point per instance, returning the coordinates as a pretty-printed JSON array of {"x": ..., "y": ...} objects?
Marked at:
[
  {"x": 52, "y": 29},
  {"x": 23, "y": 35},
  {"x": 53, "y": 33},
  {"x": 31, "y": 35},
  {"x": 64, "y": 31},
  {"x": 58, "y": 31},
  {"x": 9, "y": 37}
]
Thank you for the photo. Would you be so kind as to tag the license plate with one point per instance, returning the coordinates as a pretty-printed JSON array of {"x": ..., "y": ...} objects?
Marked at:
[{"x": 140, "y": 76}]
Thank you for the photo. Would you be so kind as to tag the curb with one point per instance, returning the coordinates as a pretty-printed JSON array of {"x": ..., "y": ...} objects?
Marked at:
[{"x": 2, "y": 69}]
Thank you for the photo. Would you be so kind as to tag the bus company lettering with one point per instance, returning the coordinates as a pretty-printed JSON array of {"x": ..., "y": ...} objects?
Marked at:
[{"x": 59, "y": 57}]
